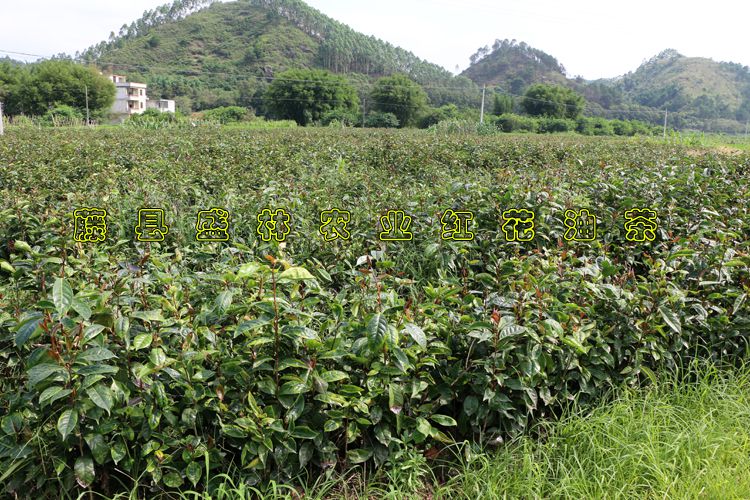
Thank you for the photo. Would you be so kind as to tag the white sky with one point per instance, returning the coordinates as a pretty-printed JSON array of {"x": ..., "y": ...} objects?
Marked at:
[{"x": 590, "y": 38}]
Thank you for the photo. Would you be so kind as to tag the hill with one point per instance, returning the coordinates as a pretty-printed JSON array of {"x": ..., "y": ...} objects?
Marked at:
[
  {"x": 514, "y": 66},
  {"x": 707, "y": 88},
  {"x": 701, "y": 93},
  {"x": 216, "y": 54}
]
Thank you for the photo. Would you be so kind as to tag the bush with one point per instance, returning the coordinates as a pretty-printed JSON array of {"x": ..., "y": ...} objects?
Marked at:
[
  {"x": 594, "y": 126},
  {"x": 63, "y": 115},
  {"x": 553, "y": 101},
  {"x": 176, "y": 361},
  {"x": 553, "y": 125},
  {"x": 228, "y": 114},
  {"x": 436, "y": 115},
  {"x": 641, "y": 128},
  {"x": 516, "y": 123},
  {"x": 378, "y": 119},
  {"x": 621, "y": 127},
  {"x": 341, "y": 117},
  {"x": 155, "y": 119}
]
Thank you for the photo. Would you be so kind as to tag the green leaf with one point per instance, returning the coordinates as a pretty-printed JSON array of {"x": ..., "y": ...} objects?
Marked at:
[
  {"x": 304, "y": 432},
  {"x": 95, "y": 369},
  {"x": 22, "y": 246},
  {"x": 223, "y": 301},
  {"x": 122, "y": 326},
  {"x": 91, "y": 331},
  {"x": 67, "y": 423},
  {"x": 553, "y": 327},
  {"x": 358, "y": 455},
  {"x": 417, "y": 334},
  {"x": 333, "y": 376},
  {"x": 253, "y": 324},
  {"x": 148, "y": 315},
  {"x": 81, "y": 308},
  {"x": 12, "y": 424},
  {"x": 84, "y": 469},
  {"x": 142, "y": 341},
  {"x": 96, "y": 354},
  {"x": 249, "y": 270},
  {"x": 511, "y": 331},
  {"x": 295, "y": 274},
  {"x": 671, "y": 319},
  {"x": 395, "y": 398},
  {"x": 42, "y": 372},
  {"x": 423, "y": 426},
  {"x": 306, "y": 453},
  {"x": 98, "y": 447},
  {"x": 444, "y": 420},
  {"x": 173, "y": 480},
  {"x": 5, "y": 266},
  {"x": 62, "y": 296},
  {"x": 101, "y": 396},
  {"x": 118, "y": 451},
  {"x": 376, "y": 329},
  {"x": 471, "y": 405},
  {"x": 194, "y": 472},
  {"x": 52, "y": 394},
  {"x": 26, "y": 330},
  {"x": 292, "y": 387},
  {"x": 738, "y": 303}
]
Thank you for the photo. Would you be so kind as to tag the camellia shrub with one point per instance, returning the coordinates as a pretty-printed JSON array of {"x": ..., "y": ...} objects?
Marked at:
[{"x": 176, "y": 361}]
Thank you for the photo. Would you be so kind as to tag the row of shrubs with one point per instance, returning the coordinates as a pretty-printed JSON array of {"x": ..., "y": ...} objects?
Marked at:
[
  {"x": 440, "y": 119},
  {"x": 234, "y": 116},
  {"x": 583, "y": 125},
  {"x": 526, "y": 124},
  {"x": 493, "y": 124}
]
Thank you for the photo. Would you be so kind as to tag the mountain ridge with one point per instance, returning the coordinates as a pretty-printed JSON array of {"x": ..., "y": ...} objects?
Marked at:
[
  {"x": 699, "y": 88},
  {"x": 256, "y": 39}
]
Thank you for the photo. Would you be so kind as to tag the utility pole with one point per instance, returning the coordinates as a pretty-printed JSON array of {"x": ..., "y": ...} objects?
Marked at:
[
  {"x": 2, "y": 131},
  {"x": 665, "y": 123},
  {"x": 88, "y": 119},
  {"x": 481, "y": 116},
  {"x": 364, "y": 111}
]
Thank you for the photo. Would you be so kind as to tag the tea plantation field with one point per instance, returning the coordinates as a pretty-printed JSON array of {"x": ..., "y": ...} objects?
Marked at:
[{"x": 165, "y": 364}]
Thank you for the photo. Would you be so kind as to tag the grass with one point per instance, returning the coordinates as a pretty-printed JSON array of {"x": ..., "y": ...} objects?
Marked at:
[
  {"x": 675, "y": 439},
  {"x": 687, "y": 435}
]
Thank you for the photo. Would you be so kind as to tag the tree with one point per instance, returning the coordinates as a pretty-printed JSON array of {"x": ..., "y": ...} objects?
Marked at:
[
  {"x": 305, "y": 95},
  {"x": 400, "y": 96},
  {"x": 379, "y": 119},
  {"x": 552, "y": 101},
  {"x": 42, "y": 86},
  {"x": 503, "y": 103}
]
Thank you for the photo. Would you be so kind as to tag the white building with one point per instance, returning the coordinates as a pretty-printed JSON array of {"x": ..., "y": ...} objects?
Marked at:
[
  {"x": 131, "y": 99},
  {"x": 163, "y": 105}
]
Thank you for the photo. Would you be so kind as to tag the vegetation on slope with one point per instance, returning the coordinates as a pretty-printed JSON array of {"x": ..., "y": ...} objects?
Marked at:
[
  {"x": 707, "y": 88},
  {"x": 223, "y": 54},
  {"x": 514, "y": 66},
  {"x": 700, "y": 93}
]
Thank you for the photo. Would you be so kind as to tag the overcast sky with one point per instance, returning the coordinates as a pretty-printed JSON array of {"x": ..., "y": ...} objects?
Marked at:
[{"x": 590, "y": 38}]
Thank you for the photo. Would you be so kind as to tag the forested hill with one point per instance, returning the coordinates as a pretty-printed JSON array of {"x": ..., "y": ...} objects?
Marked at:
[
  {"x": 223, "y": 53},
  {"x": 708, "y": 88},
  {"x": 701, "y": 93},
  {"x": 514, "y": 66}
]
